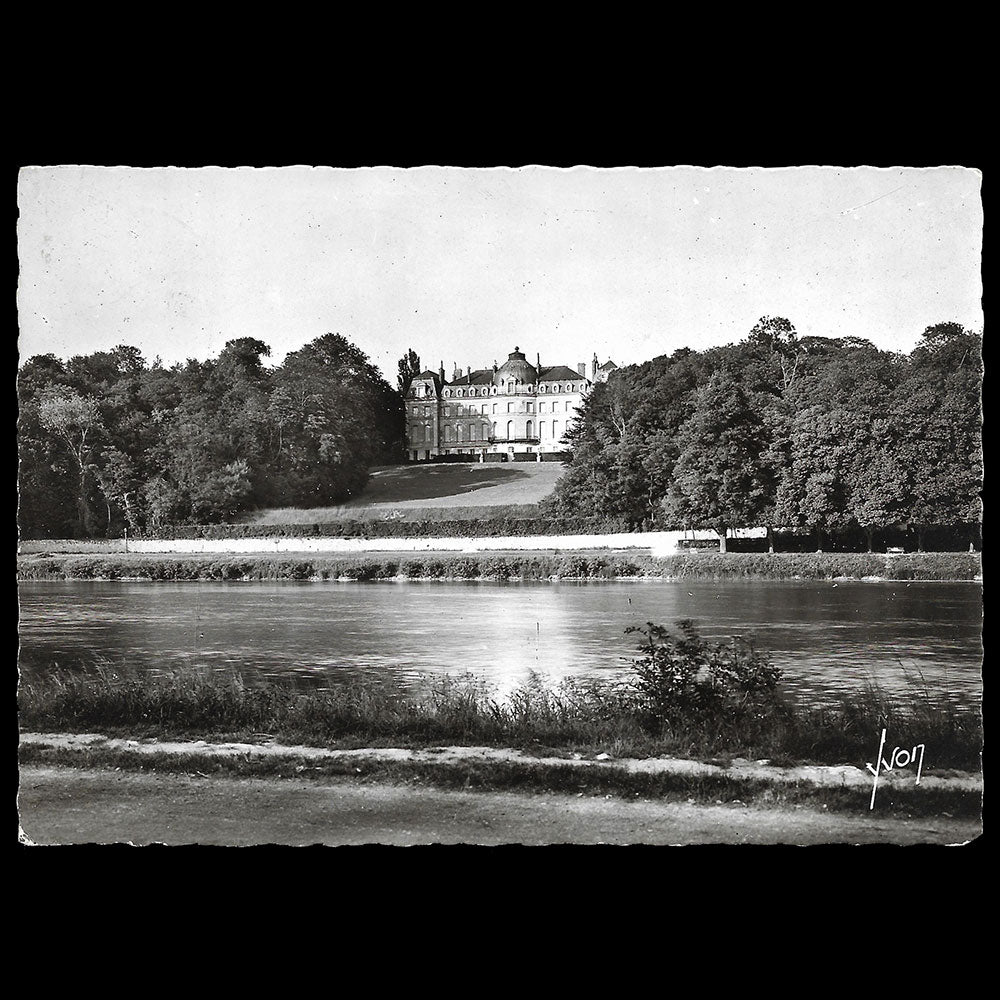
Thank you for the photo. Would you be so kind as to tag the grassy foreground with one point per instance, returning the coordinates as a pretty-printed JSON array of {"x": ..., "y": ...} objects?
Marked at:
[
  {"x": 623, "y": 720},
  {"x": 489, "y": 566}
]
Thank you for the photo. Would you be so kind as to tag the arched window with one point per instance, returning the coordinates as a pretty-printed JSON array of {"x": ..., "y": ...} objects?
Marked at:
[
  {"x": 447, "y": 432},
  {"x": 427, "y": 433},
  {"x": 458, "y": 432},
  {"x": 510, "y": 429},
  {"x": 473, "y": 433},
  {"x": 527, "y": 430},
  {"x": 541, "y": 428},
  {"x": 555, "y": 428},
  {"x": 493, "y": 429},
  {"x": 447, "y": 393}
]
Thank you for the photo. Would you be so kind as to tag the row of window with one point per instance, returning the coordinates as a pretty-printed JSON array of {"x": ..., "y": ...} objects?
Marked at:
[
  {"x": 482, "y": 432},
  {"x": 511, "y": 408},
  {"x": 492, "y": 390}
]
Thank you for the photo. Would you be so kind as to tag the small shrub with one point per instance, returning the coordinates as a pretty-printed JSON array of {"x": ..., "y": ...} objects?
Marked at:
[{"x": 683, "y": 681}]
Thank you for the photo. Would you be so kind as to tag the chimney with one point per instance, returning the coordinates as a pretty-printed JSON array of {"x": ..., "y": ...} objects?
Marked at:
[
  {"x": 441, "y": 372},
  {"x": 538, "y": 362},
  {"x": 468, "y": 370},
  {"x": 457, "y": 374},
  {"x": 593, "y": 376},
  {"x": 582, "y": 369}
]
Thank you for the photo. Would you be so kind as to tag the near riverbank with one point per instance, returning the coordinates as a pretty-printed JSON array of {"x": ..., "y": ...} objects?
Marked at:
[
  {"x": 708, "y": 704},
  {"x": 697, "y": 727},
  {"x": 533, "y": 566},
  {"x": 845, "y": 789}
]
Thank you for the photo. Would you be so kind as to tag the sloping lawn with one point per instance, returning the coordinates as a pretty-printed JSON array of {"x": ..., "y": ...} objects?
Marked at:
[{"x": 412, "y": 487}]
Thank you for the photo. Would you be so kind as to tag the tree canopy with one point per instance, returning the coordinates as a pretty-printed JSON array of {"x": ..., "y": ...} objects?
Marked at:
[
  {"x": 108, "y": 440},
  {"x": 783, "y": 430}
]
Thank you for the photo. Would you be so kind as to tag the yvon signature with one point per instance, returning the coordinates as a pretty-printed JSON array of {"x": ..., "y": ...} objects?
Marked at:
[{"x": 898, "y": 758}]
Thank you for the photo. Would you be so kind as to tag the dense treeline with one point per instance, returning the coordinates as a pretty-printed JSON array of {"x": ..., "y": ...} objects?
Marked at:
[
  {"x": 108, "y": 441},
  {"x": 489, "y": 526},
  {"x": 808, "y": 433}
]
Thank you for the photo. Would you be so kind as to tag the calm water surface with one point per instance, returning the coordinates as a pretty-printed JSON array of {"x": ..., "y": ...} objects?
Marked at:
[{"x": 827, "y": 638}]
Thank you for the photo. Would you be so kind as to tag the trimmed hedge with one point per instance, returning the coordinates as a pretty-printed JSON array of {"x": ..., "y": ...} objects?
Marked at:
[{"x": 481, "y": 527}]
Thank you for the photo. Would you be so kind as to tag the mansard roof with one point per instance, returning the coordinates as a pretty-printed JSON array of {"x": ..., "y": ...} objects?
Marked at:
[
  {"x": 484, "y": 376},
  {"x": 427, "y": 374},
  {"x": 559, "y": 373}
]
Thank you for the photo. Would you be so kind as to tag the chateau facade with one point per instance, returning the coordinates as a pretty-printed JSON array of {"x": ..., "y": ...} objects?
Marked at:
[{"x": 517, "y": 410}]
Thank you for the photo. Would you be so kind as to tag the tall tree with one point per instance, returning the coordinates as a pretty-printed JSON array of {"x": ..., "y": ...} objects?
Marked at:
[
  {"x": 329, "y": 405},
  {"x": 409, "y": 369},
  {"x": 75, "y": 421},
  {"x": 938, "y": 415},
  {"x": 720, "y": 479}
]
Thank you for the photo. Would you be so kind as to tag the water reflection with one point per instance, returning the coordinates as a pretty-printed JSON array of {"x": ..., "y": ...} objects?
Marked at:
[{"x": 826, "y": 638}]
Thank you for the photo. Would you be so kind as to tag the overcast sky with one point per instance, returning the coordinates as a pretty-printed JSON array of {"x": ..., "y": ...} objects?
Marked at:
[{"x": 464, "y": 264}]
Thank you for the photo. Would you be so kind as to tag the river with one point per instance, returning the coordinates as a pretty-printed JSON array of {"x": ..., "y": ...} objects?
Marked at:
[{"x": 827, "y": 638}]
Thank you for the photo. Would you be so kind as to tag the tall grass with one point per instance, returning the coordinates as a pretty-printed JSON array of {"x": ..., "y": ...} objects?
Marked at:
[
  {"x": 571, "y": 715},
  {"x": 953, "y": 737}
]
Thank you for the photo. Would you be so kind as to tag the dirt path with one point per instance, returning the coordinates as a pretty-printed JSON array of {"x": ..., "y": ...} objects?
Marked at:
[{"x": 70, "y": 805}]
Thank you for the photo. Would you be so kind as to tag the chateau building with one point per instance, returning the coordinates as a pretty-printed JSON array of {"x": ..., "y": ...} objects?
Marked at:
[{"x": 517, "y": 410}]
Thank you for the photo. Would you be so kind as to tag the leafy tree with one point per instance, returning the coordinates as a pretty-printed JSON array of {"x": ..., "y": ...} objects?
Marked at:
[
  {"x": 776, "y": 338},
  {"x": 813, "y": 490},
  {"x": 327, "y": 401},
  {"x": 74, "y": 421},
  {"x": 118, "y": 477},
  {"x": 937, "y": 413},
  {"x": 720, "y": 479},
  {"x": 409, "y": 369},
  {"x": 624, "y": 440},
  {"x": 876, "y": 476},
  {"x": 46, "y": 478}
]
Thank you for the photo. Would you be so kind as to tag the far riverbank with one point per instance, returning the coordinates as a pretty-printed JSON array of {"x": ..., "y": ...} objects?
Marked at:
[{"x": 540, "y": 566}]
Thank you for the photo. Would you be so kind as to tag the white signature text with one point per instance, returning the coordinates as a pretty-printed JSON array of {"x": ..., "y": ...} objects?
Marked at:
[{"x": 899, "y": 757}]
